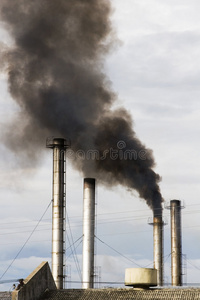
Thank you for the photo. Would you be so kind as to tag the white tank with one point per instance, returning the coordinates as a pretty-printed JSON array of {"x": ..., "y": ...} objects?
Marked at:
[{"x": 141, "y": 277}]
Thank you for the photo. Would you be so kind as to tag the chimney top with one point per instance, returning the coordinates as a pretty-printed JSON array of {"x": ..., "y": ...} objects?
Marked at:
[{"x": 57, "y": 142}]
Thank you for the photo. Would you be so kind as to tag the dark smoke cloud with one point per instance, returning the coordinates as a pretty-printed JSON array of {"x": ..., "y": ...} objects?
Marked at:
[{"x": 55, "y": 73}]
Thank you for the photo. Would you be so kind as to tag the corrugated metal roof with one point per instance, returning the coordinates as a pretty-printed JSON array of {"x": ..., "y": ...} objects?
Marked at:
[
  {"x": 5, "y": 296},
  {"x": 123, "y": 294}
]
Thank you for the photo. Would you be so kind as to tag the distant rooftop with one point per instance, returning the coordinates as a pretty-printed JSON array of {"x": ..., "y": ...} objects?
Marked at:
[{"x": 5, "y": 295}]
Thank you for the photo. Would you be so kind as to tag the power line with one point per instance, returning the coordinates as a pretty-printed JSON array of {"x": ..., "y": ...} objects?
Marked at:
[
  {"x": 75, "y": 243},
  {"x": 100, "y": 221},
  {"x": 99, "y": 282},
  {"x": 17, "y": 227},
  {"x": 106, "y": 234},
  {"x": 17, "y": 222},
  {"x": 18, "y": 242},
  {"x": 167, "y": 256},
  {"x": 104, "y": 214},
  {"x": 73, "y": 250},
  {"x": 18, "y": 232},
  {"x": 118, "y": 252},
  {"x": 195, "y": 266},
  {"x": 9, "y": 281},
  {"x": 128, "y": 232},
  {"x": 26, "y": 241}
]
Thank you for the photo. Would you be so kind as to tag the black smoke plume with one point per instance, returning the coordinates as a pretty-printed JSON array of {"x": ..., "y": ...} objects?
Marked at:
[{"x": 55, "y": 74}]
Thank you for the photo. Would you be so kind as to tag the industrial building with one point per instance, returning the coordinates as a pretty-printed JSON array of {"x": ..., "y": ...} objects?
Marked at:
[
  {"x": 40, "y": 285},
  {"x": 140, "y": 283}
]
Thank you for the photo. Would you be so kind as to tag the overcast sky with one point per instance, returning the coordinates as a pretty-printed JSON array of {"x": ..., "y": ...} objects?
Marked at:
[{"x": 155, "y": 70}]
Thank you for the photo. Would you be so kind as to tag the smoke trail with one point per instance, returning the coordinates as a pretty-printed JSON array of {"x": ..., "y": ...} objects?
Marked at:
[{"x": 55, "y": 74}]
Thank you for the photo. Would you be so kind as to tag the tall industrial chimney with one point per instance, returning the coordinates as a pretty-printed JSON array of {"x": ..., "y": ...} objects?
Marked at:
[
  {"x": 88, "y": 233},
  {"x": 59, "y": 146},
  {"x": 176, "y": 243},
  {"x": 158, "y": 247},
  {"x": 158, "y": 225}
]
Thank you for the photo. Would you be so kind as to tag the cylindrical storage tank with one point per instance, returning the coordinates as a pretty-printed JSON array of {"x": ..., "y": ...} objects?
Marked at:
[
  {"x": 158, "y": 248},
  {"x": 88, "y": 233},
  {"x": 141, "y": 277},
  {"x": 59, "y": 146},
  {"x": 176, "y": 243}
]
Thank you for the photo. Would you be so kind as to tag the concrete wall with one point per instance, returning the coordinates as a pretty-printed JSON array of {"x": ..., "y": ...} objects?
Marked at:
[{"x": 36, "y": 284}]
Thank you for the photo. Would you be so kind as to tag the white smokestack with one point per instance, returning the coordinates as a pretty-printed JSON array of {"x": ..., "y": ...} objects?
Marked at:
[
  {"x": 88, "y": 233},
  {"x": 176, "y": 243}
]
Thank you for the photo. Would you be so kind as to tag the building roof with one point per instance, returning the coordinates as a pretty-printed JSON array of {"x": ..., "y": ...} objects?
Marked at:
[
  {"x": 122, "y": 294},
  {"x": 5, "y": 295}
]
